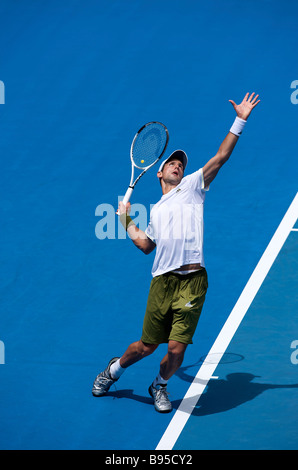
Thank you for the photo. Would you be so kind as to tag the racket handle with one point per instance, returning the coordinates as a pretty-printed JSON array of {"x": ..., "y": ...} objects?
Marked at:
[{"x": 126, "y": 197}]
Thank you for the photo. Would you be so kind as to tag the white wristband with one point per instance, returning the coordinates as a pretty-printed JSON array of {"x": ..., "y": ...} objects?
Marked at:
[{"x": 238, "y": 126}]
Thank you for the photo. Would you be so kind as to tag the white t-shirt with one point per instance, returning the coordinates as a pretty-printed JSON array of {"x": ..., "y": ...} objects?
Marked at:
[{"x": 176, "y": 225}]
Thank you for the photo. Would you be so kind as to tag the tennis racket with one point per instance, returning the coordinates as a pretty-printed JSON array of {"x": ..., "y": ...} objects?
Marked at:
[{"x": 148, "y": 146}]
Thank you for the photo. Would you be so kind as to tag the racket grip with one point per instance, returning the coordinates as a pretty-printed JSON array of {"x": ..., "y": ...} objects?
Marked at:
[{"x": 127, "y": 195}]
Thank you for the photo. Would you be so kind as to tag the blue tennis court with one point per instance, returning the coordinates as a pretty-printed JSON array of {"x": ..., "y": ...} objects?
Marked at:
[{"x": 77, "y": 80}]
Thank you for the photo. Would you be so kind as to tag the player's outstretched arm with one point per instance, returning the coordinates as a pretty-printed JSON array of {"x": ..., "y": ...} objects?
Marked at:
[{"x": 225, "y": 150}]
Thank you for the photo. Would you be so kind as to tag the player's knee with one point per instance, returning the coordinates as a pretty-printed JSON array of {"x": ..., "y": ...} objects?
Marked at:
[
  {"x": 176, "y": 351},
  {"x": 146, "y": 349}
]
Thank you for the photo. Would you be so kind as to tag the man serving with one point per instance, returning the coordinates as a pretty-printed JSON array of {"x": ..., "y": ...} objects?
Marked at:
[{"x": 179, "y": 285}]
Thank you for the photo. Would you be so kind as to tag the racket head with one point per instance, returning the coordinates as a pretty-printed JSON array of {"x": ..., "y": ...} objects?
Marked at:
[{"x": 149, "y": 144}]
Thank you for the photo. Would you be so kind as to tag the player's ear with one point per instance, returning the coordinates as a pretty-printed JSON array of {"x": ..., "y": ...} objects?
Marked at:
[{"x": 159, "y": 176}]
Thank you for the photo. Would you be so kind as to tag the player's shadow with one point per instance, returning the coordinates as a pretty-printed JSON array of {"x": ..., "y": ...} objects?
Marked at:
[
  {"x": 226, "y": 358},
  {"x": 129, "y": 394},
  {"x": 226, "y": 394}
]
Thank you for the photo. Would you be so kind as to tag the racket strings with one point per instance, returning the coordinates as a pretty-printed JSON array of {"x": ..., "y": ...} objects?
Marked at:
[{"x": 149, "y": 145}]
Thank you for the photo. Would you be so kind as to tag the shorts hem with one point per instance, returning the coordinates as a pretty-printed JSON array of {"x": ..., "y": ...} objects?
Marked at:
[
  {"x": 181, "y": 340},
  {"x": 151, "y": 341}
]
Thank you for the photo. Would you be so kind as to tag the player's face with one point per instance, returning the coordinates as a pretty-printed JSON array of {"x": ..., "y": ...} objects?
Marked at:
[{"x": 173, "y": 172}]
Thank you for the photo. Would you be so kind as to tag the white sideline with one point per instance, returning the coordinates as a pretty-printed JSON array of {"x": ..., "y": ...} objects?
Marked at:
[{"x": 230, "y": 327}]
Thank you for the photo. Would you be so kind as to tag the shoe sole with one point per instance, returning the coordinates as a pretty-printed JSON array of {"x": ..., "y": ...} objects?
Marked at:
[{"x": 98, "y": 394}]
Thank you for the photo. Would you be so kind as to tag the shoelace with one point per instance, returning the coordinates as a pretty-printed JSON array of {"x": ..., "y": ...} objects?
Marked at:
[
  {"x": 162, "y": 394},
  {"x": 103, "y": 379}
]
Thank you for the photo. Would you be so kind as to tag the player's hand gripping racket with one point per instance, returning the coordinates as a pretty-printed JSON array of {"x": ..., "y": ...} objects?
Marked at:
[{"x": 148, "y": 146}]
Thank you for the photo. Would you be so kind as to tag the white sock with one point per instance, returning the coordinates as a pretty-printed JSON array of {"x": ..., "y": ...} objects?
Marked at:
[
  {"x": 116, "y": 370},
  {"x": 159, "y": 381}
]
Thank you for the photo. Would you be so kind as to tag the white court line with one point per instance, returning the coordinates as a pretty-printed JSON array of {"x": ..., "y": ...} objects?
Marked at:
[{"x": 230, "y": 327}]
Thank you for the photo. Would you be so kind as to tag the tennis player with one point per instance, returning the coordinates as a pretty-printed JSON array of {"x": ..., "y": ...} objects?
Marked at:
[{"x": 179, "y": 285}]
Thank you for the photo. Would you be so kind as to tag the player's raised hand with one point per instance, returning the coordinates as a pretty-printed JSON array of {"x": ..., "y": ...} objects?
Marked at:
[{"x": 244, "y": 109}]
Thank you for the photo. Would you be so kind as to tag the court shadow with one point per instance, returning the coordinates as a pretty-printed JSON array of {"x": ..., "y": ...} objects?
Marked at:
[
  {"x": 224, "y": 395},
  {"x": 226, "y": 358},
  {"x": 129, "y": 394}
]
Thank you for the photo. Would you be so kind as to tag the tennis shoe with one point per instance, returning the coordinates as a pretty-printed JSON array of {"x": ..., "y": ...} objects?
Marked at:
[
  {"x": 159, "y": 394},
  {"x": 104, "y": 381}
]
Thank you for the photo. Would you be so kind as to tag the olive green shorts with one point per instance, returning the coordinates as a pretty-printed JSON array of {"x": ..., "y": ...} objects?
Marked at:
[{"x": 174, "y": 307}]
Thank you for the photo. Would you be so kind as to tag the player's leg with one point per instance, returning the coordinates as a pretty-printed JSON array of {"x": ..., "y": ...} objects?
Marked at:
[
  {"x": 134, "y": 353},
  {"x": 172, "y": 360},
  {"x": 168, "y": 366}
]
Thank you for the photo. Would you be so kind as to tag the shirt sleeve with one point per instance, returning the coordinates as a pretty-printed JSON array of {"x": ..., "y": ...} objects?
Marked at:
[
  {"x": 196, "y": 181},
  {"x": 149, "y": 232}
]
